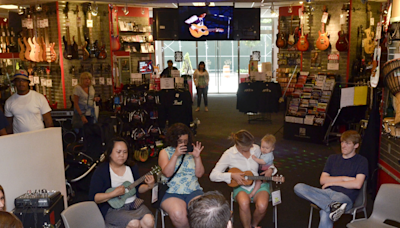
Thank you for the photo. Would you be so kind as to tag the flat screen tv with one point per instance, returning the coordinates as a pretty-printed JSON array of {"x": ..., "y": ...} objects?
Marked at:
[
  {"x": 205, "y": 23},
  {"x": 145, "y": 66}
]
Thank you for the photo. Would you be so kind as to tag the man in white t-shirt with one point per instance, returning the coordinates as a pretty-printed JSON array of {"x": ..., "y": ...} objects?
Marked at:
[{"x": 27, "y": 109}]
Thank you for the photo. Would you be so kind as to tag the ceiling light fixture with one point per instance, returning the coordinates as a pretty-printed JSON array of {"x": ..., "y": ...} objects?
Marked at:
[
  {"x": 9, "y": 7},
  {"x": 273, "y": 13},
  {"x": 94, "y": 8},
  {"x": 175, "y": 5},
  {"x": 252, "y": 5},
  {"x": 5, "y": 20},
  {"x": 203, "y": 4},
  {"x": 301, "y": 2},
  {"x": 125, "y": 9},
  {"x": 38, "y": 8},
  {"x": 290, "y": 9}
]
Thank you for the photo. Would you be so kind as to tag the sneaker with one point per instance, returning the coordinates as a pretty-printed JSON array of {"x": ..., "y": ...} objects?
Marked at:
[
  {"x": 337, "y": 210},
  {"x": 206, "y": 109},
  {"x": 197, "y": 109}
]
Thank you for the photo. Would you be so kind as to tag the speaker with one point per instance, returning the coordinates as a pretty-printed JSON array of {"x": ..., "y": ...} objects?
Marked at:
[
  {"x": 38, "y": 217},
  {"x": 248, "y": 29},
  {"x": 166, "y": 24}
]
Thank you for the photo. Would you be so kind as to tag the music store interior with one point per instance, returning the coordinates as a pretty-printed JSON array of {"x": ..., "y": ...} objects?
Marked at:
[{"x": 300, "y": 72}]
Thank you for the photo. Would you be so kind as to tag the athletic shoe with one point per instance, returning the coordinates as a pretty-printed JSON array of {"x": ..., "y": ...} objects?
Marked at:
[
  {"x": 206, "y": 109},
  {"x": 337, "y": 210},
  {"x": 197, "y": 109}
]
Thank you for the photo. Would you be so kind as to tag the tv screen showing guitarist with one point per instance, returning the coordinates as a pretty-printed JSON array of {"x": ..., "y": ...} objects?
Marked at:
[{"x": 203, "y": 23}]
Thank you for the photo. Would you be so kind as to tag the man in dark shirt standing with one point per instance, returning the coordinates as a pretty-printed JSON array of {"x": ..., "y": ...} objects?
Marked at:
[
  {"x": 167, "y": 71},
  {"x": 341, "y": 181}
]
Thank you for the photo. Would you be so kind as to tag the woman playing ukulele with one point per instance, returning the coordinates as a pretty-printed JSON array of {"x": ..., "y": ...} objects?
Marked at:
[{"x": 240, "y": 156}]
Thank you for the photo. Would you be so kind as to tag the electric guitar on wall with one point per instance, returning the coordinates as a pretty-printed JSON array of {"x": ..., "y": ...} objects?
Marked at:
[
  {"x": 93, "y": 49},
  {"x": 67, "y": 39},
  {"x": 86, "y": 50},
  {"x": 78, "y": 26},
  {"x": 115, "y": 44},
  {"x": 302, "y": 43},
  {"x": 198, "y": 31},
  {"x": 291, "y": 39},
  {"x": 280, "y": 37},
  {"x": 323, "y": 39},
  {"x": 49, "y": 97},
  {"x": 119, "y": 201},
  {"x": 102, "y": 50},
  {"x": 368, "y": 42},
  {"x": 51, "y": 55},
  {"x": 342, "y": 43},
  {"x": 249, "y": 176}
]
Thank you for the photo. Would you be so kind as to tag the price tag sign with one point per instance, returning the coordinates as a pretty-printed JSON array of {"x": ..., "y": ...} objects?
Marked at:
[
  {"x": 79, "y": 22},
  {"x": 371, "y": 21},
  {"x": 167, "y": 83},
  {"x": 276, "y": 197},
  {"x": 93, "y": 81},
  {"x": 43, "y": 82},
  {"x": 49, "y": 83},
  {"x": 36, "y": 80},
  {"x": 324, "y": 17},
  {"x": 29, "y": 23},
  {"x": 154, "y": 194},
  {"x": 39, "y": 23},
  {"x": 89, "y": 23},
  {"x": 101, "y": 81},
  {"x": 342, "y": 19},
  {"x": 175, "y": 73},
  {"x": 46, "y": 22},
  {"x": 74, "y": 82},
  {"x": 31, "y": 79},
  {"x": 67, "y": 22},
  {"x": 109, "y": 81},
  {"x": 24, "y": 23}
]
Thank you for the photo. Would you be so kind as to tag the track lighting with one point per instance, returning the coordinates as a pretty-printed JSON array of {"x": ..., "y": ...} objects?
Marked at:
[
  {"x": 125, "y": 9},
  {"x": 273, "y": 13},
  {"x": 94, "y": 9},
  {"x": 20, "y": 10},
  {"x": 38, "y": 8}
]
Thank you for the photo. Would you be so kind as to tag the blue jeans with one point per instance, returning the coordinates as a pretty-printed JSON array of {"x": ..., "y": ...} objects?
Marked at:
[{"x": 322, "y": 198}]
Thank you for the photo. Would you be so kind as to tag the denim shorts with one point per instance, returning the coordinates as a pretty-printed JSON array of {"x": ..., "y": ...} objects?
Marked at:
[{"x": 185, "y": 197}]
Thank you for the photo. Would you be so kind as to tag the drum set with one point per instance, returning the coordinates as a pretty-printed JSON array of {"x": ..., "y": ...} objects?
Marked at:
[{"x": 391, "y": 72}]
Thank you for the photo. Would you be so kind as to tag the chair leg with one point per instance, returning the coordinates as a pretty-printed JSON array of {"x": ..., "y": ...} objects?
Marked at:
[
  {"x": 156, "y": 218},
  {"x": 354, "y": 216},
  {"x": 310, "y": 219},
  {"x": 162, "y": 219},
  {"x": 365, "y": 212},
  {"x": 276, "y": 216},
  {"x": 232, "y": 206}
]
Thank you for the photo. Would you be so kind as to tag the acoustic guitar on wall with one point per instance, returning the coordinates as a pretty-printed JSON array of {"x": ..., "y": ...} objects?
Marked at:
[
  {"x": 280, "y": 37},
  {"x": 368, "y": 42},
  {"x": 323, "y": 39}
]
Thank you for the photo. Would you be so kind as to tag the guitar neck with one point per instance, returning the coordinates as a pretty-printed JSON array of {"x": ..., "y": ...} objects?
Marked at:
[
  {"x": 323, "y": 28},
  {"x": 138, "y": 181},
  {"x": 259, "y": 178}
]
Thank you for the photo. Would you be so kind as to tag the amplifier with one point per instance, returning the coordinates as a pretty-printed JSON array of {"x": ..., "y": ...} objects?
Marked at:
[
  {"x": 42, "y": 217},
  {"x": 40, "y": 198},
  {"x": 62, "y": 113}
]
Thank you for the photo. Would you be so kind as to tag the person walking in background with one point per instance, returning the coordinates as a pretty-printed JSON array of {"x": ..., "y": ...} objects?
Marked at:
[{"x": 201, "y": 79}]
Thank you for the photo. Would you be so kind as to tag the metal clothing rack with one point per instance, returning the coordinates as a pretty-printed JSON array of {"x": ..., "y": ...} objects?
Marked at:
[{"x": 259, "y": 116}]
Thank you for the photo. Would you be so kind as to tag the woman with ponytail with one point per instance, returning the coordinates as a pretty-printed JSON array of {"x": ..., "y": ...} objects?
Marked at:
[{"x": 240, "y": 156}]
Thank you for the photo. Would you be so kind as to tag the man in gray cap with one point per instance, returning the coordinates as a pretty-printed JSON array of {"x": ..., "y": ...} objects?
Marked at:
[{"x": 27, "y": 109}]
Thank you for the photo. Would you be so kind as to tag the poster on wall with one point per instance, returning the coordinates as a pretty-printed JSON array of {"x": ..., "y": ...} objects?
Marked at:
[{"x": 178, "y": 56}]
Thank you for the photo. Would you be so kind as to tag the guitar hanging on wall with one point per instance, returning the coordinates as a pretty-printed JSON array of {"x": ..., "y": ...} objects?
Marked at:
[
  {"x": 302, "y": 43},
  {"x": 102, "y": 50},
  {"x": 93, "y": 49},
  {"x": 291, "y": 39},
  {"x": 323, "y": 38},
  {"x": 342, "y": 43},
  {"x": 51, "y": 55},
  {"x": 78, "y": 27},
  {"x": 368, "y": 42},
  {"x": 115, "y": 44},
  {"x": 67, "y": 39},
  {"x": 280, "y": 37}
]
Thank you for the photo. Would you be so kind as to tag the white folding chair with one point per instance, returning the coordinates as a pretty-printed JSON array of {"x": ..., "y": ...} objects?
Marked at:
[
  {"x": 359, "y": 204},
  {"x": 275, "y": 210},
  {"x": 84, "y": 214},
  {"x": 386, "y": 208}
]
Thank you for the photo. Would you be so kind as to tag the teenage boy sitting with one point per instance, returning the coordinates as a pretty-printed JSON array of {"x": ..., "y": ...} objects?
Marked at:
[{"x": 341, "y": 180}]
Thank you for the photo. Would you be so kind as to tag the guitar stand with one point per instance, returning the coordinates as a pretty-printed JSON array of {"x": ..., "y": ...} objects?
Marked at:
[{"x": 259, "y": 116}]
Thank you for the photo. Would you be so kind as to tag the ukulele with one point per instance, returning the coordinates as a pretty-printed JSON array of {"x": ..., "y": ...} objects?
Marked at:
[
  {"x": 102, "y": 52},
  {"x": 291, "y": 40},
  {"x": 78, "y": 26},
  {"x": 249, "y": 176},
  {"x": 119, "y": 201},
  {"x": 115, "y": 44},
  {"x": 280, "y": 37},
  {"x": 342, "y": 43},
  {"x": 323, "y": 39},
  {"x": 202, "y": 30},
  {"x": 302, "y": 43},
  {"x": 369, "y": 44},
  {"x": 66, "y": 39}
]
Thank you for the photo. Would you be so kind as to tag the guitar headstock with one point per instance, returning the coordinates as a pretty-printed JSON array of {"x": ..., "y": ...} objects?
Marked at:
[
  {"x": 368, "y": 7},
  {"x": 324, "y": 9},
  {"x": 66, "y": 9},
  {"x": 155, "y": 170},
  {"x": 279, "y": 179}
]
